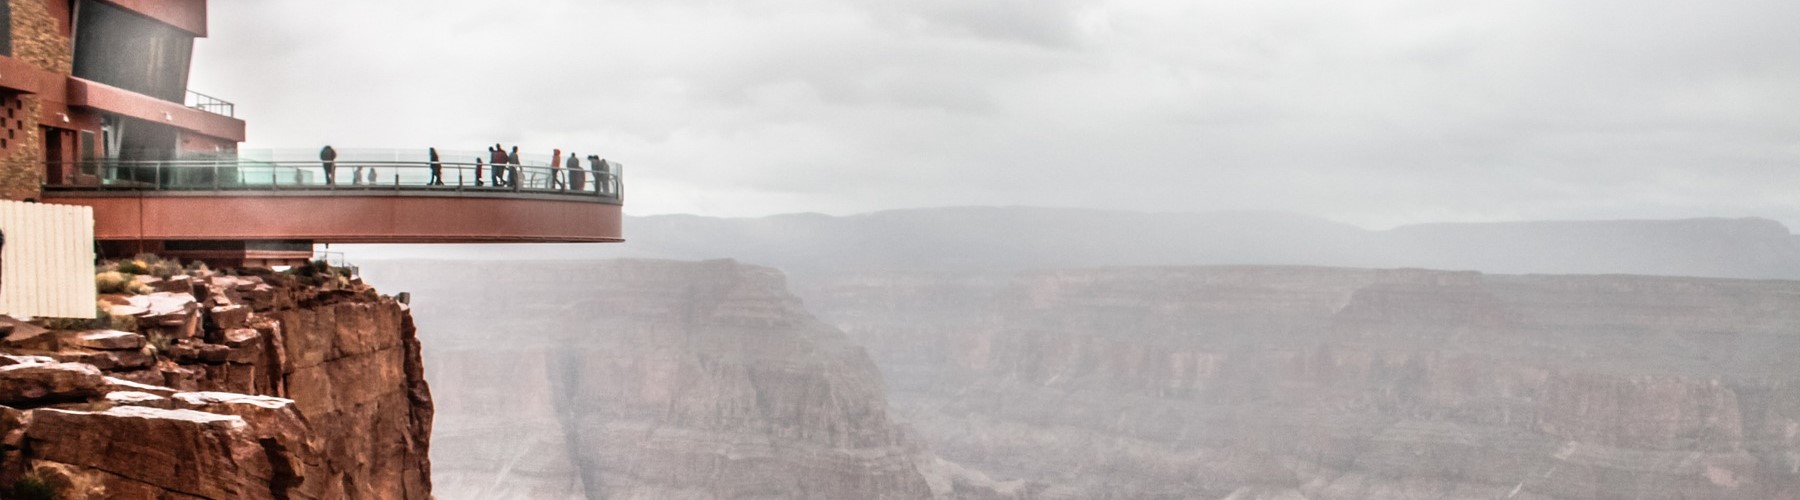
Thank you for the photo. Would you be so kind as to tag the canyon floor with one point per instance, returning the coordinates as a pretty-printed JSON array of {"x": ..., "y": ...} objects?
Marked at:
[{"x": 712, "y": 380}]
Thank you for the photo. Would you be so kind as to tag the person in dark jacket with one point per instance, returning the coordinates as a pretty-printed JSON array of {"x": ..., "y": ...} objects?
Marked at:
[
  {"x": 328, "y": 161},
  {"x": 497, "y": 160},
  {"x": 512, "y": 168},
  {"x": 477, "y": 172},
  {"x": 437, "y": 170},
  {"x": 602, "y": 174},
  {"x": 577, "y": 176}
]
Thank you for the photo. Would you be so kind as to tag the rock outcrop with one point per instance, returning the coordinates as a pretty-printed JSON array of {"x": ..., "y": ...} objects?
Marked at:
[
  {"x": 221, "y": 386},
  {"x": 652, "y": 380},
  {"x": 1322, "y": 383}
]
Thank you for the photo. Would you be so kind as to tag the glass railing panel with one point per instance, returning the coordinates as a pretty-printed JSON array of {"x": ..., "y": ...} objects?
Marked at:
[{"x": 363, "y": 170}]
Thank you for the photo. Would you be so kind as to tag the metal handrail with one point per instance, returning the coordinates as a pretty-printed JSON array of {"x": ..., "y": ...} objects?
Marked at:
[
  {"x": 210, "y": 104},
  {"x": 601, "y": 184}
]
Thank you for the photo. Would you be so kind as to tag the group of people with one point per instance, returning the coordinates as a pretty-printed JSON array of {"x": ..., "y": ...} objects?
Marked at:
[
  {"x": 499, "y": 169},
  {"x": 328, "y": 160}
]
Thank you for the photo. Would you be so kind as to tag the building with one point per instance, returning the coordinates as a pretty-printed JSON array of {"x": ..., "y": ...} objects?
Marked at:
[{"x": 96, "y": 112}]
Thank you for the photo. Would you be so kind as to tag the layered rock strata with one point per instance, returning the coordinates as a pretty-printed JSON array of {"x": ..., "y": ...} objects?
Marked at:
[
  {"x": 1321, "y": 383},
  {"x": 221, "y": 386},
  {"x": 653, "y": 380}
]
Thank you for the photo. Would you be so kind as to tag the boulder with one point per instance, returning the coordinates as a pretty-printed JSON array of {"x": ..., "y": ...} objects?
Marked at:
[
  {"x": 231, "y": 403},
  {"x": 41, "y": 383},
  {"x": 174, "y": 284},
  {"x": 22, "y": 335},
  {"x": 116, "y": 384},
  {"x": 230, "y": 317},
  {"x": 134, "y": 398},
  {"x": 106, "y": 340},
  {"x": 108, "y": 360},
  {"x": 145, "y": 378},
  {"x": 125, "y": 308},
  {"x": 167, "y": 453},
  {"x": 11, "y": 359},
  {"x": 164, "y": 307},
  {"x": 181, "y": 377},
  {"x": 242, "y": 337},
  {"x": 197, "y": 352}
]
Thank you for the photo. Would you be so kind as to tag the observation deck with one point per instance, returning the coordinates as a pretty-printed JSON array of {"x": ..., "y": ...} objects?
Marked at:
[{"x": 267, "y": 210}]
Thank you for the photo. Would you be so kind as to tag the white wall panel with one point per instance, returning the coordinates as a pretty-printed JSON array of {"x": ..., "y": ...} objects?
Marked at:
[{"x": 48, "y": 262}]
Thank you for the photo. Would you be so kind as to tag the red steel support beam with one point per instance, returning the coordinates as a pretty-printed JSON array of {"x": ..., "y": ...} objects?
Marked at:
[{"x": 348, "y": 219}]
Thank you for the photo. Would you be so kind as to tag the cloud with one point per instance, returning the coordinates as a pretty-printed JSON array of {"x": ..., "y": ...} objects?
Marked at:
[{"x": 1379, "y": 112}]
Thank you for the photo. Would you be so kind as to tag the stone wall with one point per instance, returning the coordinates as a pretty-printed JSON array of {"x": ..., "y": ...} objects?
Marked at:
[
  {"x": 37, "y": 38},
  {"x": 38, "y": 41}
]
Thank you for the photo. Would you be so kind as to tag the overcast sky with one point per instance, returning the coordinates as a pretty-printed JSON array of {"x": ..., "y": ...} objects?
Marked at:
[{"x": 1370, "y": 112}]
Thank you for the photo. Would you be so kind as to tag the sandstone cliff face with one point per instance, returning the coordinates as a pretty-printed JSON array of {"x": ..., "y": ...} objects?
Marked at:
[
  {"x": 649, "y": 380},
  {"x": 1319, "y": 383},
  {"x": 223, "y": 387}
]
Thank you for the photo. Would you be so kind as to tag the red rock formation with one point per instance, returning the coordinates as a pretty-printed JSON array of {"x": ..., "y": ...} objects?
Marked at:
[
  {"x": 653, "y": 379},
  {"x": 1284, "y": 382},
  {"x": 258, "y": 386}
]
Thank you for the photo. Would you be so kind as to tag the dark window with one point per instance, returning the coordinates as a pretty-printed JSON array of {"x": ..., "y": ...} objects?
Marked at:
[
  {"x": 90, "y": 152},
  {"x": 121, "y": 48}
]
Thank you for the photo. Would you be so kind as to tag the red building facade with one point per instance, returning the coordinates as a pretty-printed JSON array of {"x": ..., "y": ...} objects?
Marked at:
[
  {"x": 85, "y": 80},
  {"x": 95, "y": 111}
]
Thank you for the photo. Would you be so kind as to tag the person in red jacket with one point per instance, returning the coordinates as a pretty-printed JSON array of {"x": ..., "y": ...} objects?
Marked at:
[
  {"x": 497, "y": 160},
  {"x": 556, "y": 169}
]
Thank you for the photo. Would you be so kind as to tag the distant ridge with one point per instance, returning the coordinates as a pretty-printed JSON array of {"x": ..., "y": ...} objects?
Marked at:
[{"x": 1010, "y": 239}]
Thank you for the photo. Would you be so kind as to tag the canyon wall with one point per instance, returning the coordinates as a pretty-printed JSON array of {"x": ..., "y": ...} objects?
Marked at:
[
  {"x": 652, "y": 380},
  {"x": 1005, "y": 240},
  {"x": 218, "y": 386},
  {"x": 1323, "y": 383}
]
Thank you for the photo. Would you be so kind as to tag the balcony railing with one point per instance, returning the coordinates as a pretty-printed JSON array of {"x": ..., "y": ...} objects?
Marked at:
[
  {"x": 210, "y": 104},
  {"x": 601, "y": 182}
]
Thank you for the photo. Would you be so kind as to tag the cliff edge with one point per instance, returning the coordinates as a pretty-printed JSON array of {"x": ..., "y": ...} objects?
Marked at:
[
  {"x": 657, "y": 379},
  {"x": 201, "y": 384}
]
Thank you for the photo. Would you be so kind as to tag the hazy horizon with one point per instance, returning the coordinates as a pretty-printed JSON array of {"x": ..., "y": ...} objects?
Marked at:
[{"x": 1373, "y": 113}]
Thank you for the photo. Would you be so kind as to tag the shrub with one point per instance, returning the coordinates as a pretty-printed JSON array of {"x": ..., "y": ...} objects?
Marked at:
[
  {"x": 151, "y": 265},
  {"x": 138, "y": 288},
  {"x": 73, "y": 323},
  {"x": 31, "y": 487},
  {"x": 319, "y": 272},
  {"x": 119, "y": 282},
  {"x": 101, "y": 320},
  {"x": 134, "y": 266},
  {"x": 113, "y": 282},
  {"x": 121, "y": 323},
  {"x": 160, "y": 343}
]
